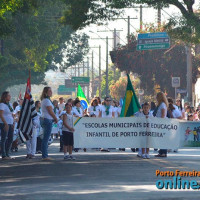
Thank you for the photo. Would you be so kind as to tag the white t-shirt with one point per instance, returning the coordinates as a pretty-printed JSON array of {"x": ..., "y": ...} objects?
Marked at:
[
  {"x": 116, "y": 111},
  {"x": 17, "y": 109},
  {"x": 7, "y": 114},
  {"x": 46, "y": 102},
  {"x": 141, "y": 114},
  {"x": 103, "y": 110},
  {"x": 61, "y": 107},
  {"x": 69, "y": 122},
  {"x": 159, "y": 112},
  {"x": 91, "y": 110},
  {"x": 176, "y": 113},
  {"x": 75, "y": 112}
]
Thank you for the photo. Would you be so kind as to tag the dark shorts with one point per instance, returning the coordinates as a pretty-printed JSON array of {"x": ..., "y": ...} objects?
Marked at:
[{"x": 68, "y": 138}]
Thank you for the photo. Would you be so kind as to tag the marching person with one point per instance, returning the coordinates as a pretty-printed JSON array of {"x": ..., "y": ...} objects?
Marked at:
[
  {"x": 68, "y": 130},
  {"x": 47, "y": 119},
  {"x": 94, "y": 109},
  {"x": 161, "y": 112},
  {"x": 145, "y": 113},
  {"x": 61, "y": 104},
  {"x": 106, "y": 112},
  {"x": 6, "y": 125},
  {"x": 77, "y": 110}
]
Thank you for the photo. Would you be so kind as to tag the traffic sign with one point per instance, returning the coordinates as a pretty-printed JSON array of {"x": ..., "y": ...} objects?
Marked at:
[
  {"x": 80, "y": 80},
  {"x": 152, "y": 35},
  {"x": 181, "y": 91},
  {"x": 153, "y": 46},
  {"x": 63, "y": 90},
  {"x": 176, "y": 82},
  {"x": 151, "y": 41}
]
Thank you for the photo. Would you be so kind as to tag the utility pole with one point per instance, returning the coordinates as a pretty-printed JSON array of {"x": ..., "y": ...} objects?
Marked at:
[
  {"x": 100, "y": 71},
  {"x": 106, "y": 65},
  {"x": 92, "y": 74},
  {"x": 75, "y": 69},
  {"x": 141, "y": 17},
  {"x": 88, "y": 65},
  {"x": 83, "y": 68},
  {"x": 159, "y": 16},
  {"x": 128, "y": 35},
  {"x": 115, "y": 48},
  {"x": 189, "y": 74},
  {"x": 78, "y": 70}
]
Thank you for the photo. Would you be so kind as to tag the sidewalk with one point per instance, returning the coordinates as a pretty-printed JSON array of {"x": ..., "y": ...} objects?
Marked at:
[{"x": 94, "y": 175}]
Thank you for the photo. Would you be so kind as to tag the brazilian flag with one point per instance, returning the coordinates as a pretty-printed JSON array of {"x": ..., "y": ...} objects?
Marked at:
[
  {"x": 131, "y": 104},
  {"x": 82, "y": 98}
]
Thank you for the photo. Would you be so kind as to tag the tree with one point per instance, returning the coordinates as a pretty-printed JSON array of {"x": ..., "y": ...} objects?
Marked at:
[
  {"x": 156, "y": 67},
  {"x": 38, "y": 42},
  {"x": 118, "y": 88},
  {"x": 110, "y": 80},
  {"x": 186, "y": 26}
]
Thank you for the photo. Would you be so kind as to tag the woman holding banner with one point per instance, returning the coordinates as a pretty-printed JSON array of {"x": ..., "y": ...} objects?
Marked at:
[
  {"x": 161, "y": 112},
  {"x": 48, "y": 116}
]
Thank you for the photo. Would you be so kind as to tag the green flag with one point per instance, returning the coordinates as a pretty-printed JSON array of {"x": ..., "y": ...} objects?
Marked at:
[
  {"x": 131, "y": 104},
  {"x": 82, "y": 98}
]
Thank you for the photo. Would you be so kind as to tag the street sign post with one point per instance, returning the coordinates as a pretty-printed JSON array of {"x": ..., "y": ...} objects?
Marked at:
[
  {"x": 176, "y": 83},
  {"x": 68, "y": 83},
  {"x": 151, "y": 41}
]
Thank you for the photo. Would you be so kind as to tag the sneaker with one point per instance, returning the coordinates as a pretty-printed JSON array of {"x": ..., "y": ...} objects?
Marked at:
[
  {"x": 147, "y": 156},
  {"x": 47, "y": 159},
  {"x": 67, "y": 157},
  {"x": 72, "y": 157},
  {"x": 39, "y": 152},
  {"x": 139, "y": 155},
  {"x": 5, "y": 158},
  {"x": 143, "y": 156}
]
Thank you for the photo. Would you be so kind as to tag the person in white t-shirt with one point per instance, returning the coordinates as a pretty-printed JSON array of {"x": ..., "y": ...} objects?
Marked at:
[
  {"x": 161, "y": 112},
  {"x": 61, "y": 104},
  {"x": 6, "y": 125},
  {"x": 77, "y": 111},
  {"x": 106, "y": 112},
  {"x": 144, "y": 152},
  {"x": 48, "y": 116},
  {"x": 94, "y": 109},
  {"x": 180, "y": 107},
  {"x": 107, "y": 109},
  {"x": 116, "y": 109}
]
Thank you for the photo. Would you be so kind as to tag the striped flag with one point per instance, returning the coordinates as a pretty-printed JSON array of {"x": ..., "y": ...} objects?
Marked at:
[{"x": 28, "y": 112}]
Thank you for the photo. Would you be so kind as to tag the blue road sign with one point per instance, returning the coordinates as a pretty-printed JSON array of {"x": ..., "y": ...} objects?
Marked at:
[{"x": 153, "y": 35}]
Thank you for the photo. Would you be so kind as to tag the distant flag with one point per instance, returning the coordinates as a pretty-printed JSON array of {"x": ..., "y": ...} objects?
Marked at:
[
  {"x": 20, "y": 95},
  {"x": 82, "y": 98},
  {"x": 130, "y": 104},
  {"x": 28, "y": 112}
]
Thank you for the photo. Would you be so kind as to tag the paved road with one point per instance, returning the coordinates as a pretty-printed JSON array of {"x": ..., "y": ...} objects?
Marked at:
[{"x": 93, "y": 176}]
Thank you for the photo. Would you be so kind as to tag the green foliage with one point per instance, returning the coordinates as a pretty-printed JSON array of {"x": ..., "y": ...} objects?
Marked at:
[
  {"x": 110, "y": 81},
  {"x": 34, "y": 39}
]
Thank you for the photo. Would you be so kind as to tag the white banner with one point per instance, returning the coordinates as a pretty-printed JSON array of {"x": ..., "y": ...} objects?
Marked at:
[{"x": 126, "y": 132}]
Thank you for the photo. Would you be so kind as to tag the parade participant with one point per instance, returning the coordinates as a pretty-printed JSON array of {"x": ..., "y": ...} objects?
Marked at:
[
  {"x": 39, "y": 140},
  {"x": 94, "y": 109},
  {"x": 61, "y": 104},
  {"x": 173, "y": 109},
  {"x": 6, "y": 125},
  {"x": 106, "y": 112},
  {"x": 68, "y": 130},
  {"x": 47, "y": 120},
  {"x": 144, "y": 152},
  {"x": 54, "y": 131},
  {"x": 18, "y": 107},
  {"x": 180, "y": 107},
  {"x": 116, "y": 108},
  {"x": 77, "y": 111},
  {"x": 161, "y": 112}
]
